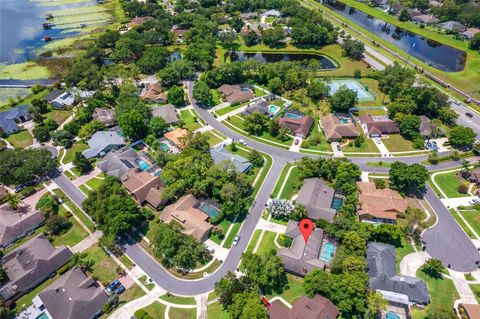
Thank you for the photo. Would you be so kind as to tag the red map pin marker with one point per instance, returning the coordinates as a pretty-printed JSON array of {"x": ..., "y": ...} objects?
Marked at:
[{"x": 306, "y": 227}]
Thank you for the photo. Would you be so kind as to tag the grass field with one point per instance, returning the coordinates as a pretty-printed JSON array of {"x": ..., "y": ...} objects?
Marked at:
[
  {"x": 77, "y": 147},
  {"x": 132, "y": 293},
  {"x": 228, "y": 109},
  {"x": 190, "y": 121},
  {"x": 405, "y": 249},
  {"x": 294, "y": 289},
  {"x": 238, "y": 122},
  {"x": 215, "y": 310},
  {"x": 23, "y": 71},
  {"x": 462, "y": 223},
  {"x": 155, "y": 310},
  {"x": 254, "y": 239},
  {"x": 21, "y": 139},
  {"x": 396, "y": 143},
  {"x": 182, "y": 313},
  {"x": 178, "y": 299},
  {"x": 104, "y": 267},
  {"x": 476, "y": 291},
  {"x": 224, "y": 225},
  {"x": 473, "y": 219},
  {"x": 213, "y": 139},
  {"x": 235, "y": 228},
  {"x": 58, "y": 115},
  {"x": 290, "y": 185},
  {"x": 267, "y": 244},
  {"x": 81, "y": 215},
  {"x": 449, "y": 182},
  {"x": 368, "y": 145},
  {"x": 94, "y": 183},
  {"x": 73, "y": 236}
]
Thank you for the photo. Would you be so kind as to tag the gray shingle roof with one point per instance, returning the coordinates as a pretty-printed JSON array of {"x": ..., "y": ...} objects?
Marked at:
[
  {"x": 73, "y": 296},
  {"x": 167, "y": 112},
  {"x": 14, "y": 224},
  {"x": 382, "y": 273},
  {"x": 103, "y": 141},
  {"x": 10, "y": 117},
  {"x": 317, "y": 197},
  {"x": 220, "y": 154},
  {"x": 118, "y": 163}
]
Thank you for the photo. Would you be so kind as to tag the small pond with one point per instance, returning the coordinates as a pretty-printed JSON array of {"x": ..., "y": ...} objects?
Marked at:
[{"x": 269, "y": 57}]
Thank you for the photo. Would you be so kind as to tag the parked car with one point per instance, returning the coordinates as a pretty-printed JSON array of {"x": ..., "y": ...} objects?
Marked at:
[
  {"x": 112, "y": 286},
  {"x": 470, "y": 115},
  {"x": 210, "y": 250},
  {"x": 378, "y": 141},
  {"x": 119, "y": 290},
  {"x": 339, "y": 148},
  {"x": 236, "y": 240},
  {"x": 296, "y": 142},
  {"x": 242, "y": 141}
]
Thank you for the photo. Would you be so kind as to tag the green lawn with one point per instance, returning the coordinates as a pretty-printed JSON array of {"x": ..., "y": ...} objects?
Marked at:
[
  {"x": 95, "y": 183},
  {"x": 254, "y": 240},
  {"x": 132, "y": 293},
  {"x": 73, "y": 236},
  {"x": 216, "y": 311},
  {"x": 182, "y": 313},
  {"x": 156, "y": 310},
  {"x": 291, "y": 185},
  {"x": 442, "y": 295},
  {"x": 267, "y": 244},
  {"x": 449, "y": 182},
  {"x": 368, "y": 145},
  {"x": 396, "y": 143},
  {"x": 228, "y": 109},
  {"x": 321, "y": 145},
  {"x": 259, "y": 92},
  {"x": 104, "y": 267},
  {"x": 212, "y": 139},
  {"x": 476, "y": 291},
  {"x": 235, "y": 228},
  {"x": 58, "y": 115},
  {"x": 462, "y": 224},
  {"x": 191, "y": 123},
  {"x": 21, "y": 139},
  {"x": 81, "y": 215},
  {"x": 84, "y": 189},
  {"x": 224, "y": 225},
  {"x": 217, "y": 97},
  {"x": 77, "y": 147},
  {"x": 294, "y": 289},
  {"x": 379, "y": 164},
  {"x": 402, "y": 251},
  {"x": 473, "y": 219},
  {"x": 178, "y": 299},
  {"x": 70, "y": 175}
]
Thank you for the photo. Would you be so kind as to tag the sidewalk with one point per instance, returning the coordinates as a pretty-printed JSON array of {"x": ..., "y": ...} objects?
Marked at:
[
  {"x": 127, "y": 310},
  {"x": 270, "y": 226},
  {"x": 463, "y": 288},
  {"x": 410, "y": 264}
]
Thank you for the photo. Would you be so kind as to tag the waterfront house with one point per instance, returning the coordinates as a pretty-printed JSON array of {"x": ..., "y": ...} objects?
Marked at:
[{"x": 10, "y": 118}]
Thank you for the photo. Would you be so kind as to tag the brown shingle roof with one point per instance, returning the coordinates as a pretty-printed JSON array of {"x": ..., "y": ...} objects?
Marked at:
[
  {"x": 472, "y": 311},
  {"x": 144, "y": 187},
  {"x": 185, "y": 212},
  {"x": 14, "y": 224},
  {"x": 234, "y": 94},
  {"x": 317, "y": 307},
  {"x": 380, "y": 203},
  {"x": 104, "y": 115},
  {"x": 138, "y": 21},
  {"x": 154, "y": 93},
  {"x": 300, "y": 127},
  {"x": 379, "y": 126},
  {"x": 334, "y": 130},
  {"x": 176, "y": 135}
]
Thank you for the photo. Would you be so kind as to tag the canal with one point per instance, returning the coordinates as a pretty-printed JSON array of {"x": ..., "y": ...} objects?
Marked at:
[
  {"x": 440, "y": 56},
  {"x": 269, "y": 57}
]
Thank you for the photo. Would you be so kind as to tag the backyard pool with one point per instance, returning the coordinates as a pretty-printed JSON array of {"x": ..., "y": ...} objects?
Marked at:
[
  {"x": 293, "y": 116},
  {"x": 143, "y": 165},
  {"x": 391, "y": 315},
  {"x": 164, "y": 147},
  {"x": 327, "y": 252},
  {"x": 337, "y": 202},
  {"x": 354, "y": 85},
  {"x": 211, "y": 211},
  {"x": 273, "y": 109},
  {"x": 42, "y": 316}
]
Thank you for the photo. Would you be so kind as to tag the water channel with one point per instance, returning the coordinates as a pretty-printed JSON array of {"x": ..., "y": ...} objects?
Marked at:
[{"x": 267, "y": 57}]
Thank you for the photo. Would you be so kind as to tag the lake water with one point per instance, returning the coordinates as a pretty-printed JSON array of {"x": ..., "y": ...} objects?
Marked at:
[
  {"x": 21, "y": 31},
  {"x": 266, "y": 57},
  {"x": 438, "y": 55}
]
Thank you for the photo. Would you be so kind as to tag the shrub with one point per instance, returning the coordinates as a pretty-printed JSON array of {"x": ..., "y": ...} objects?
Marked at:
[
  {"x": 64, "y": 268},
  {"x": 284, "y": 241},
  {"x": 357, "y": 74},
  {"x": 217, "y": 219},
  {"x": 463, "y": 188},
  {"x": 477, "y": 206},
  {"x": 27, "y": 191},
  {"x": 67, "y": 214},
  {"x": 380, "y": 183}
]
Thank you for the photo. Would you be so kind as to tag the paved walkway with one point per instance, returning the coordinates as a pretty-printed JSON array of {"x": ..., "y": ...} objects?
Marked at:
[
  {"x": 87, "y": 242},
  {"x": 337, "y": 152},
  {"x": 203, "y": 129},
  {"x": 296, "y": 147},
  {"x": 127, "y": 310},
  {"x": 463, "y": 288},
  {"x": 410, "y": 264},
  {"x": 85, "y": 178},
  {"x": 270, "y": 226},
  {"x": 201, "y": 306}
]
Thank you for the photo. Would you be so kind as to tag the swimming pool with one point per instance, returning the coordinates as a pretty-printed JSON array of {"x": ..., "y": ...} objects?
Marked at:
[
  {"x": 337, "y": 202},
  {"x": 327, "y": 252},
  {"x": 273, "y": 109},
  {"x": 211, "y": 211},
  {"x": 354, "y": 85},
  {"x": 392, "y": 315},
  {"x": 164, "y": 147},
  {"x": 143, "y": 165},
  {"x": 293, "y": 116},
  {"x": 42, "y": 316}
]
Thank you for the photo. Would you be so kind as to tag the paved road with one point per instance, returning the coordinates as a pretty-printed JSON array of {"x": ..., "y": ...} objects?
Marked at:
[
  {"x": 72, "y": 191},
  {"x": 447, "y": 241}
]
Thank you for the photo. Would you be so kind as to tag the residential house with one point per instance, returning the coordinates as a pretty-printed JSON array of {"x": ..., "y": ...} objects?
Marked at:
[
  {"x": 138, "y": 21},
  {"x": 235, "y": 94},
  {"x": 15, "y": 224},
  {"x": 144, "y": 187},
  {"x": 102, "y": 142},
  {"x": 303, "y": 255},
  {"x": 376, "y": 126},
  {"x": 104, "y": 115},
  {"x": 30, "y": 264},
  {"x": 426, "y": 128},
  {"x": 379, "y": 205},
  {"x": 337, "y": 127},
  {"x": 434, "y": 3},
  {"x": 82, "y": 94},
  {"x": 304, "y": 307},
  {"x": 452, "y": 26},
  {"x": 469, "y": 33},
  {"x": 248, "y": 16},
  {"x": 167, "y": 112},
  {"x": 256, "y": 27},
  {"x": 258, "y": 105},
  {"x": 317, "y": 197},
  {"x": 119, "y": 163},
  {"x": 383, "y": 277},
  {"x": 471, "y": 311},
  {"x": 179, "y": 33},
  {"x": 297, "y": 122},
  {"x": 72, "y": 296},
  {"x": 185, "y": 211},
  {"x": 272, "y": 13},
  {"x": 10, "y": 118},
  {"x": 474, "y": 176},
  {"x": 220, "y": 154},
  {"x": 60, "y": 99},
  {"x": 425, "y": 19},
  {"x": 154, "y": 94},
  {"x": 176, "y": 136}
]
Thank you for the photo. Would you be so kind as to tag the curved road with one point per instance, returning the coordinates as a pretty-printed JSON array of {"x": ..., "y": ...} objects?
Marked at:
[{"x": 445, "y": 241}]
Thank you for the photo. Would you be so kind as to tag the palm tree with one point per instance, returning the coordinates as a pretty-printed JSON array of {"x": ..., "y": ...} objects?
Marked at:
[
  {"x": 13, "y": 200},
  {"x": 465, "y": 168},
  {"x": 375, "y": 303}
]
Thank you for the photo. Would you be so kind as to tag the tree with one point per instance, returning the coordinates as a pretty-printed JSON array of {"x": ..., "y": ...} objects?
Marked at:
[
  {"x": 404, "y": 15},
  {"x": 41, "y": 133},
  {"x": 343, "y": 100},
  {"x": 387, "y": 233},
  {"x": 88, "y": 129},
  {"x": 274, "y": 128},
  {"x": 281, "y": 208},
  {"x": 250, "y": 38},
  {"x": 405, "y": 177},
  {"x": 375, "y": 303},
  {"x": 433, "y": 267},
  {"x": 475, "y": 42},
  {"x": 265, "y": 271},
  {"x": 256, "y": 123},
  {"x": 353, "y": 48},
  {"x": 50, "y": 124},
  {"x": 13, "y": 200},
  {"x": 229, "y": 286},
  {"x": 380, "y": 183},
  {"x": 157, "y": 126},
  {"x": 23, "y": 165},
  {"x": 56, "y": 224},
  {"x": 47, "y": 205},
  {"x": 176, "y": 96},
  {"x": 39, "y": 105},
  {"x": 153, "y": 59},
  {"x": 228, "y": 39},
  {"x": 433, "y": 157},
  {"x": 273, "y": 37},
  {"x": 275, "y": 85},
  {"x": 247, "y": 305},
  {"x": 256, "y": 158},
  {"x": 354, "y": 244},
  {"x": 133, "y": 125},
  {"x": 447, "y": 115},
  {"x": 461, "y": 136},
  {"x": 317, "y": 90},
  {"x": 410, "y": 126},
  {"x": 82, "y": 164},
  {"x": 202, "y": 94},
  {"x": 176, "y": 71},
  {"x": 395, "y": 80},
  {"x": 7, "y": 313},
  {"x": 63, "y": 138}
]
